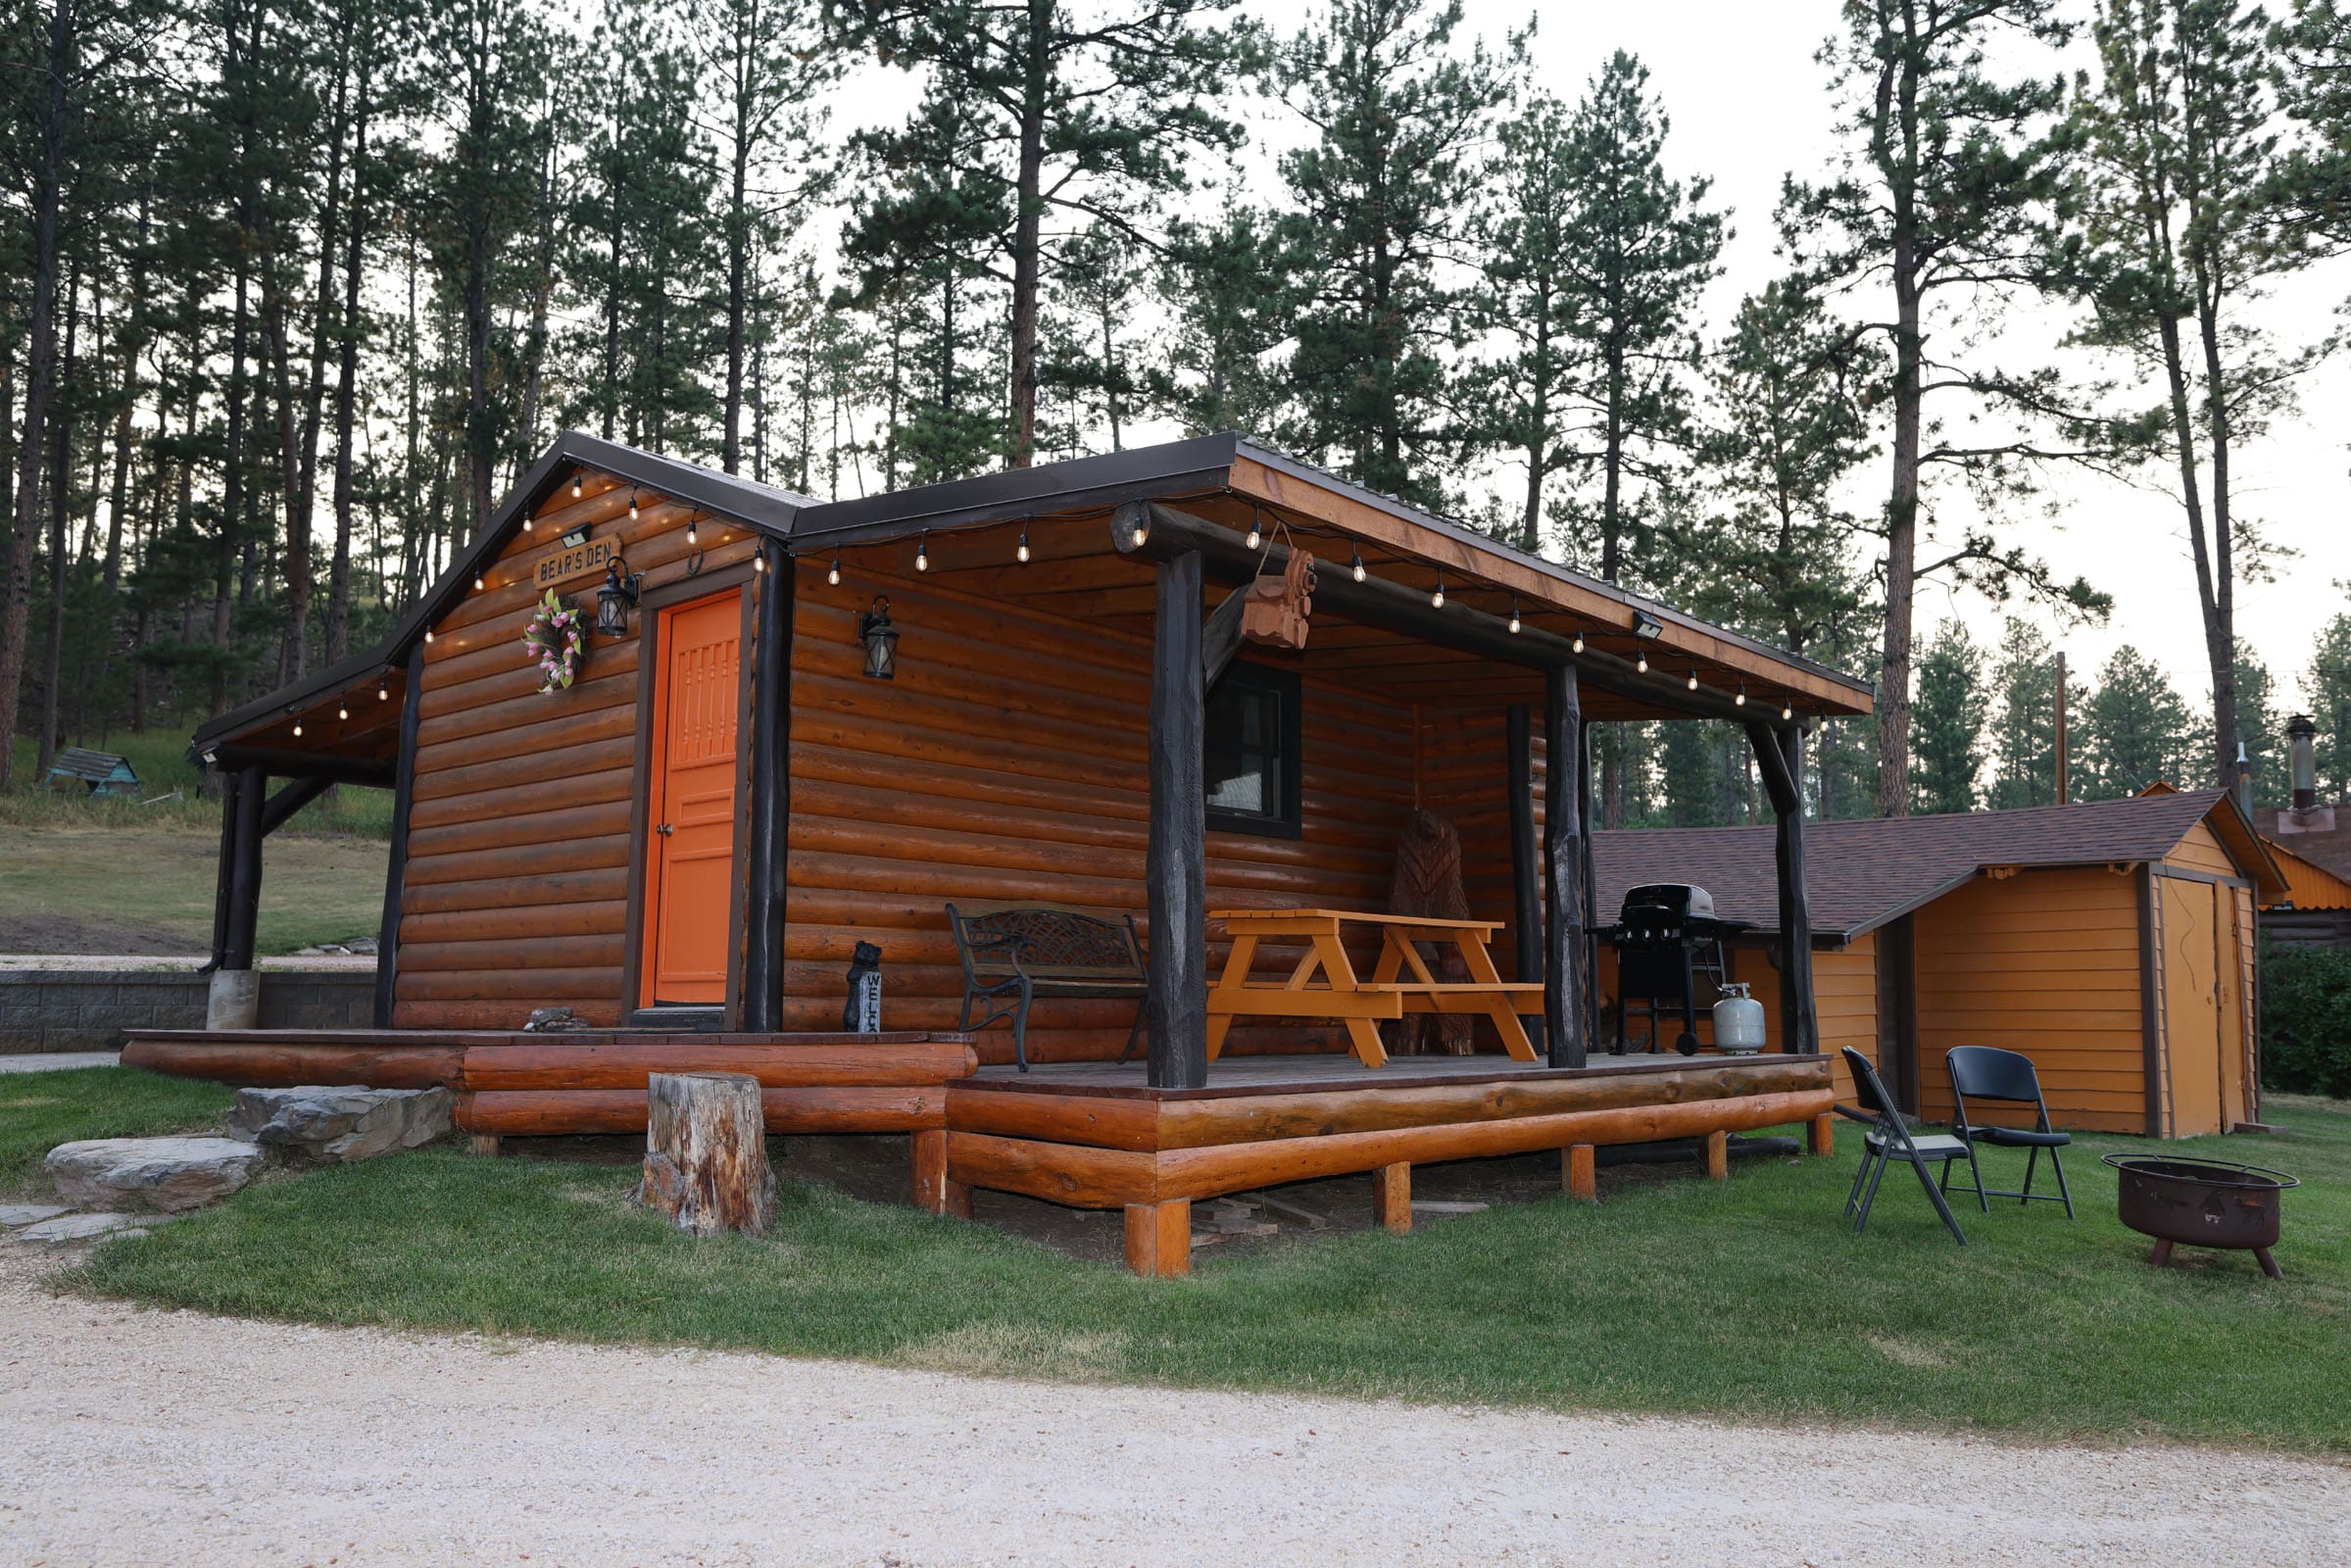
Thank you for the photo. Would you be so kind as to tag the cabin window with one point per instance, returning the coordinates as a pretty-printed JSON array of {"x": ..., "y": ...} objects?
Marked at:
[{"x": 1251, "y": 750}]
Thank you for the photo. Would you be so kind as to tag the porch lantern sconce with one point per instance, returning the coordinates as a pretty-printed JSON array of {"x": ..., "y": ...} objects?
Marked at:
[
  {"x": 612, "y": 601},
  {"x": 881, "y": 641}
]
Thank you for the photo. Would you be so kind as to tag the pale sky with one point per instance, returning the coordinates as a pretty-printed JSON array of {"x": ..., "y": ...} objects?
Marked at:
[{"x": 1748, "y": 104}]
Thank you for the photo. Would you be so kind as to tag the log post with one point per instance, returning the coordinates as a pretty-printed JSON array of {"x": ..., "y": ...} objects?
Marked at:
[
  {"x": 930, "y": 1170},
  {"x": 1176, "y": 862},
  {"x": 1158, "y": 1237},
  {"x": 1578, "y": 1175},
  {"x": 706, "y": 1152},
  {"x": 404, "y": 790},
  {"x": 774, "y": 592},
  {"x": 1392, "y": 1197},
  {"x": 1718, "y": 1155},
  {"x": 1823, "y": 1134},
  {"x": 1525, "y": 868},
  {"x": 1779, "y": 755},
  {"x": 1562, "y": 869}
]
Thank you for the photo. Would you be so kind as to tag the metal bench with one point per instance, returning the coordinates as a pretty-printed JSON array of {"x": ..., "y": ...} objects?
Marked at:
[{"x": 1015, "y": 952}]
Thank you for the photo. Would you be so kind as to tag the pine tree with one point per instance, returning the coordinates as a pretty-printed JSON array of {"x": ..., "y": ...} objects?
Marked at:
[
  {"x": 1944, "y": 187},
  {"x": 1229, "y": 288},
  {"x": 1639, "y": 247},
  {"x": 2136, "y": 730},
  {"x": 1947, "y": 742},
  {"x": 2024, "y": 743},
  {"x": 2261, "y": 727},
  {"x": 2327, "y": 683},
  {"x": 2178, "y": 237},
  {"x": 1380, "y": 201},
  {"x": 1103, "y": 115}
]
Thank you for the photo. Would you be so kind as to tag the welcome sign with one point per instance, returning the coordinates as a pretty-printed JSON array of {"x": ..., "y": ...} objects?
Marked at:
[{"x": 577, "y": 562}]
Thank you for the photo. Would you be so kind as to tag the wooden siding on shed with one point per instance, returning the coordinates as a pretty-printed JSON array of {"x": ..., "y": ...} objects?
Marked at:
[{"x": 2046, "y": 962}]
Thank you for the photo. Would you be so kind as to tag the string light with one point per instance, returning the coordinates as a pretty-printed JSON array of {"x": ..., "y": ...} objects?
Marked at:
[
  {"x": 1358, "y": 565},
  {"x": 1693, "y": 677},
  {"x": 922, "y": 552},
  {"x": 526, "y": 522},
  {"x": 758, "y": 560},
  {"x": 834, "y": 576},
  {"x": 1514, "y": 612},
  {"x": 297, "y": 724},
  {"x": 1577, "y": 646},
  {"x": 383, "y": 688},
  {"x": 1142, "y": 526},
  {"x": 575, "y": 485},
  {"x": 342, "y": 710},
  {"x": 1641, "y": 662},
  {"x": 429, "y": 634},
  {"x": 1022, "y": 554},
  {"x": 632, "y": 506},
  {"x": 1740, "y": 701},
  {"x": 1257, "y": 534},
  {"x": 1437, "y": 599},
  {"x": 690, "y": 531},
  {"x": 1788, "y": 707}
]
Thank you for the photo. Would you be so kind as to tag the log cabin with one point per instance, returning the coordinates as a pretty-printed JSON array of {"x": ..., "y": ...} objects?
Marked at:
[
  {"x": 803, "y": 730},
  {"x": 2112, "y": 942}
]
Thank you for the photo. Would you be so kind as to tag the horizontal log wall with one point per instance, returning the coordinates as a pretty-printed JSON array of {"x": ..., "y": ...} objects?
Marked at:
[
  {"x": 1005, "y": 760},
  {"x": 516, "y": 890}
]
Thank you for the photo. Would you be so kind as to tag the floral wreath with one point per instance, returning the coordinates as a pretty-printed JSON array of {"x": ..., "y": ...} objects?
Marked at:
[{"x": 558, "y": 635}]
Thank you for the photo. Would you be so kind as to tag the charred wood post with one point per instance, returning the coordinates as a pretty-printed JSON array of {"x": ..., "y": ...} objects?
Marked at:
[
  {"x": 1563, "y": 851},
  {"x": 1526, "y": 872},
  {"x": 776, "y": 594},
  {"x": 404, "y": 793},
  {"x": 245, "y": 869},
  {"x": 1176, "y": 866},
  {"x": 1779, "y": 755},
  {"x": 706, "y": 1152}
]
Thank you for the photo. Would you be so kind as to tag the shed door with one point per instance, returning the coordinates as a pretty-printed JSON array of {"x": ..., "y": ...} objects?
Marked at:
[
  {"x": 2191, "y": 1004},
  {"x": 690, "y": 810},
  {"x": 2233, "y": 1014}
]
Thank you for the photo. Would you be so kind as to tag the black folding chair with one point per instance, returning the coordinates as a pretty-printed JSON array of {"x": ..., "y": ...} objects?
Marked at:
[
  {"x": 1890, "y": 1139},
  {"x": 1984, "y": 1072}
]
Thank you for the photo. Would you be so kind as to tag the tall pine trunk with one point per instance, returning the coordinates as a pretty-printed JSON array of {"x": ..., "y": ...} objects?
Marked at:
[
  {"x": 1028, "y": 264},
  {"x": 1898, "y": 110},
  {"x": 60, "y": 508}
]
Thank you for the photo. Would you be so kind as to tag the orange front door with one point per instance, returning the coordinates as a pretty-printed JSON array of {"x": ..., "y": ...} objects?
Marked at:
[{"x": 688, "y": 874}]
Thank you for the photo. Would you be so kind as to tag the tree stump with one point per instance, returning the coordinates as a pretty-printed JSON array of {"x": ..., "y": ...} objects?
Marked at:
[{"x": 706, "y": 1152}]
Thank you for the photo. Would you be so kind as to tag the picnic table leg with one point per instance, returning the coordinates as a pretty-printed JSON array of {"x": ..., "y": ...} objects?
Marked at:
[
  {"x": 1158, "y": 1237},
  {"x": 1342, "y": 974},
  {"x": 1506, "y": 1019},
  {"x": 1392, "y": 1197},
  {"x": 1576, "y": 1174},
  {"x": 1238, "y": 963}
]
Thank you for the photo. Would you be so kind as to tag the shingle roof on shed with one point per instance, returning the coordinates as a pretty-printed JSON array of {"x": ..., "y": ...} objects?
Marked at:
[{"x": 1860, "y": 874}]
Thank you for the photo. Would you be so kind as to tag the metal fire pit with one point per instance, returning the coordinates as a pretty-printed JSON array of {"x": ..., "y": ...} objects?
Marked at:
[{"x": 2201, "y": 1203}]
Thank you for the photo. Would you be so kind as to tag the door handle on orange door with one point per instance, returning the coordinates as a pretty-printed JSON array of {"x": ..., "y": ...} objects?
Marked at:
[{"x": 663, "y": 829}]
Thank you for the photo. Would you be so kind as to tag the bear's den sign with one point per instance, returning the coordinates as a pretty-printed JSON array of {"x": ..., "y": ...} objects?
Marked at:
[{"x": 579, "y": 561}]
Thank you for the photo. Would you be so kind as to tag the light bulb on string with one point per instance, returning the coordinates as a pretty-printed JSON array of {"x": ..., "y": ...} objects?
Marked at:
[
  {"x": 1022, "y": 554},
  {"x": 298, "y": 729},
  {"x": 1358, "y": 565},
  {"x": 526, "y": 522},
  {"x": 1577, "y": 646},
  {"x": 1641, "y": 664},
  {"x": 922, "y": 552},
  {"x": 1788, "y": 707},
  {"x": 383, "y": 688},
  {"x": 477, "y": 582},
  {"x": 1740, "y": 701},
  {"x": 342, "y": 710},
  {"x": 576, "y": 487},
  {"x": 1256, "y": 533},
  {"x": 1514, "y": 613},
  {"x": 632, "y": 506},
  {"x": 1437, "y": 599},
  {"x": 759, "y": 561},
  {"x": 429, "y": 634},
  {"x": 692, "y": 534},
  {"x": 1693, "y": 683},
  {"x": 834, "y": 576}
]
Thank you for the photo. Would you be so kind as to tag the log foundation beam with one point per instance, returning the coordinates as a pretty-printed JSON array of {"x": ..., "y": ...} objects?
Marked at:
[
  {"x": 1159, "y": 1239},
  {"x": 1578, "y": 1175},
  {"x": 1392, "y": 1197}
]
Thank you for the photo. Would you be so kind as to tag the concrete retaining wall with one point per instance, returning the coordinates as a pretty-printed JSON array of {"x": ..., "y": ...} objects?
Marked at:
[{"x": 87, "y": 1009}]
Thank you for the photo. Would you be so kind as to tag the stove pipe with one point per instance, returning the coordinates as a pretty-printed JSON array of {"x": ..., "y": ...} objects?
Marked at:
[{"x": 2302, "y": 760}]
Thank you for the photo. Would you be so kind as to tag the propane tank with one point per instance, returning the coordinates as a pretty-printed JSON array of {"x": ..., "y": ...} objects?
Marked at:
[{"x": 1737, "y": 1022}]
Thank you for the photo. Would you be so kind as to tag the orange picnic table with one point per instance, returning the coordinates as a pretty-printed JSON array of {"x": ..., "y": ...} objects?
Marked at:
[{"x": 1400, "y": 983}]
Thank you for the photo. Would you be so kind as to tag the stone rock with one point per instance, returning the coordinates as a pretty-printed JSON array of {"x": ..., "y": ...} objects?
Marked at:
[
  {"x": 13, "y": 1214},
  {"x": 309, "y": 953},
  {"x": 83, "y": 1227},
  {"x": 341, "y": 1123},
  {"x": 364, "y": 947},
  {"x": 554, "y": 1021},
  {"x": 168, "y": 1174}
]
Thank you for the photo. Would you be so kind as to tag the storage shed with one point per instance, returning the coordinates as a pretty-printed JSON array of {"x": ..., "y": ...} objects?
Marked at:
[{"x": 2112, "y": 942}]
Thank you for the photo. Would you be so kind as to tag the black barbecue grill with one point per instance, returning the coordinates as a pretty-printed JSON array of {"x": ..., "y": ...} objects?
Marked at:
[{"x": 1666, "y": 939}]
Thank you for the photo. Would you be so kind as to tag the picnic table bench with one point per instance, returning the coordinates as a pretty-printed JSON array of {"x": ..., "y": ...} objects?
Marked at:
[{"x": 1359, "y": 1004}]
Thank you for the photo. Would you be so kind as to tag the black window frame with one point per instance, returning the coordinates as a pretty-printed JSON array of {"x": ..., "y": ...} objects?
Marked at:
[{"x": 1288, "y": 822}]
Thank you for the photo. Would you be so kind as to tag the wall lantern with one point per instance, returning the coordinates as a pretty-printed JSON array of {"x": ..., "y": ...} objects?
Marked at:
[
  {"x": 612, "y": 601},
  {"x": 881, "y": 641}
]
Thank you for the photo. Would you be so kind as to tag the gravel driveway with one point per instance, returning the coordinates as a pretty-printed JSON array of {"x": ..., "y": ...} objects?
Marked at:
[{"x": 135, "y": 1437}]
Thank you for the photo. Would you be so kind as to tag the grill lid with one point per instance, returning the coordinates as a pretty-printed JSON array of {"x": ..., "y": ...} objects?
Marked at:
[{"x": 1685, "y": 899}]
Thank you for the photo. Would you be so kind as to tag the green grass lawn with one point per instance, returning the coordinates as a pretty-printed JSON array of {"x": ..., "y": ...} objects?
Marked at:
[
  {"x": 39, "y": 1110},
  {"x": 1744, "y": 1298},
  {"x": 161, "y": 760},
  {"x": 314, "y": 888}
]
